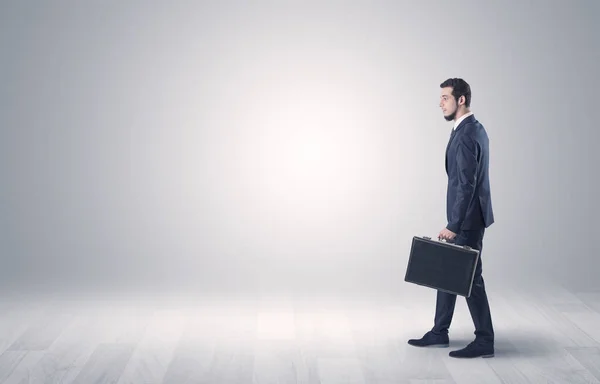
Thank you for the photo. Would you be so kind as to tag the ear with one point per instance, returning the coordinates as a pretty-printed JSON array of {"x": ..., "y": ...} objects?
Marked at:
[{"x": 461, "y": 100}]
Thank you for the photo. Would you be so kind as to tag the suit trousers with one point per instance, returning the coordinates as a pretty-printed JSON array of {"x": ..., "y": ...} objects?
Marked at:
[{"x": 477, "y": 301}]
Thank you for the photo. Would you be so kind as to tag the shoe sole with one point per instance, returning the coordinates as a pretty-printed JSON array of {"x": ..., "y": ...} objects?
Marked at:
[
  {"x": 474, "y": 357},
  {"x": 430, "y": 345}
]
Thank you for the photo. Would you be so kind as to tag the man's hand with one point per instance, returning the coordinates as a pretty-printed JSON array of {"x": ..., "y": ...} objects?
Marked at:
[{"x": 446, "y": 234}]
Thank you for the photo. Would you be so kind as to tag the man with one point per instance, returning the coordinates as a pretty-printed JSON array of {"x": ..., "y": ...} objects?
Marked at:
[{"x": 469, "y": 213}]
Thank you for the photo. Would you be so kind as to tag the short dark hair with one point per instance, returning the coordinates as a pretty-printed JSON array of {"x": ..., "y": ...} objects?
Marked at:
[{"x": 459, "y": 88}]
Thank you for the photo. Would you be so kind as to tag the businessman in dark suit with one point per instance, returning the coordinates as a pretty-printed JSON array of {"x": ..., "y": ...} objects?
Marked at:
[{"x": 469, "y": 213}]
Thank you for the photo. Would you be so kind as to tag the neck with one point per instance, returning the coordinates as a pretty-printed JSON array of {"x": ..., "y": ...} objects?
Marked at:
[{"x": 461, "y": 112}]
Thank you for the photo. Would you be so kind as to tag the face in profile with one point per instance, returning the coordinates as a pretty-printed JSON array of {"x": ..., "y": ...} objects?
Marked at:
[{"x": 448, "y": 104}]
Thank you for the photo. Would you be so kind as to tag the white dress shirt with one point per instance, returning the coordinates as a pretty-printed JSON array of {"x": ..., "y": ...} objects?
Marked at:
[{"x": 461, "y": 119}]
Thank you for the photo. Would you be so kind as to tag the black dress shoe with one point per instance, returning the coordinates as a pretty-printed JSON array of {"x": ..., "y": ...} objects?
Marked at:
[
  {"x": 474, "y": 349},
  {"x": 430, "y": 340}
]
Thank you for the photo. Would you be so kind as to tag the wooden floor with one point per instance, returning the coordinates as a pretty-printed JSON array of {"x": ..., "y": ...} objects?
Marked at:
[{"x": 549, "y": 335}]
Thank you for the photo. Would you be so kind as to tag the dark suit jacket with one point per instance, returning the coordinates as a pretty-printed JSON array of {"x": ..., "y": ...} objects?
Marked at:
[{"x": 468, "y": 200}]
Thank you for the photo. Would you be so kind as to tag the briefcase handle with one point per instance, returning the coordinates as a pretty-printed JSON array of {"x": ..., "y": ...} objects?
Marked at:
[{"x": 449, "y": 242}]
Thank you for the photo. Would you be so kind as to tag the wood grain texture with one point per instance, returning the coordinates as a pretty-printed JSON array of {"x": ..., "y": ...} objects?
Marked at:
[
  {"x": 544, "y": 335},
  {"x": 106, "y": 364}
]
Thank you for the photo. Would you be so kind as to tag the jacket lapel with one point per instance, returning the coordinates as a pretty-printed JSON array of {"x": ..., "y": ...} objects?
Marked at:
[{"x": 453, "y": 135}]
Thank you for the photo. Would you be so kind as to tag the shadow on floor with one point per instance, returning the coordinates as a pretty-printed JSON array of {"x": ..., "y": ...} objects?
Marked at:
[{"x": 518, "y": 345}]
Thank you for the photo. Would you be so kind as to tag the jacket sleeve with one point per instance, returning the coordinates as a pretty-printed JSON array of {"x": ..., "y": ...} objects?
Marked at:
[{"x": 466, "y": 165}]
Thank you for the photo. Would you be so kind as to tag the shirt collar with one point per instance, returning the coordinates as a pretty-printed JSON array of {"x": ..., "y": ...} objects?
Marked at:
[{"x": 462, "y": 118}]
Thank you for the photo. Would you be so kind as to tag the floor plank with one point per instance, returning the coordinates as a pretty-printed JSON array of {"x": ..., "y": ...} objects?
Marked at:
[
  {"x": 106, "y": 364},
  {"x": 545, "y": 335},
  {"x": 588, "y": 358},
  {"x": 155, "y": 350},
  {"x": 24, "y": 372},
  {"x": 42, "y": 333},
  {"x": 9, "y": 361},
  {"x": 66, "y": 357}
]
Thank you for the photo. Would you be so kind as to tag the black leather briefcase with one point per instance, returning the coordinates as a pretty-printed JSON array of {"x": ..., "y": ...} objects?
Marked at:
[{"x": 442, "y": 265}]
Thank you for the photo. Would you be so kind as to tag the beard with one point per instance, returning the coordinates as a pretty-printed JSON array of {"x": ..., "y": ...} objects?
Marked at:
[{"x": 451, "y": 116}]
